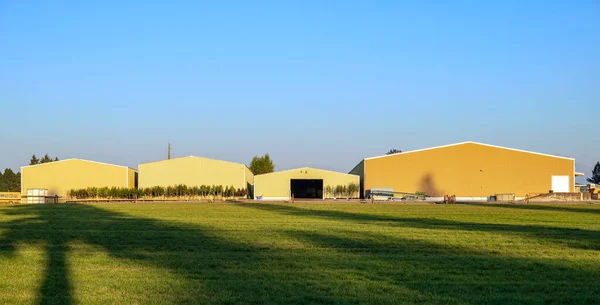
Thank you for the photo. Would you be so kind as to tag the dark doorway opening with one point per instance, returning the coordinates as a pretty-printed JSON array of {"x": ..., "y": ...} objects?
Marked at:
[{"x": 307, "y": 188}]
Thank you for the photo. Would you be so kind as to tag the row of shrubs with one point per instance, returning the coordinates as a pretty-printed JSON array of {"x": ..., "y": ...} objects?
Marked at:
[
  {"x": 349, "y": 191},
  {"x": 202, "y": 191}
]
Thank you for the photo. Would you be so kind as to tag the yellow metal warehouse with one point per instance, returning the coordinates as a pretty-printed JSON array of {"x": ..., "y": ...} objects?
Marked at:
[
  {"x": 303, "y": 182},
  {"x": 468, "y": 170},
  {"x": 61, "y": 176},
  {"x": 195, "y": 171}
]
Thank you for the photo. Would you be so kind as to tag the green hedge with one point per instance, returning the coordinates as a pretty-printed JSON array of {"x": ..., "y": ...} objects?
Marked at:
[
  {"x": 202, "y": 191},
  {"x": 340, "y": 191}
]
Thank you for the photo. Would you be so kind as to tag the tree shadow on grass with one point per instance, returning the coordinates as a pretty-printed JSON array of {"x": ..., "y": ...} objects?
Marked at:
[
  {"x": 174, "y": 247},
  {"x": 572, "y": 237},
  {"x": 55, "y": 289},
  {"x": 543, "y": 207},
  {"x": 433, "y": 273},
  {"x": 332, "y": 268}
]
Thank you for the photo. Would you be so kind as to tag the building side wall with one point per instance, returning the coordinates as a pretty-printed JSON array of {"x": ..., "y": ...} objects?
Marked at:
[
  {"x": 359, "y": 170},
  {"x": 249, "y": 182},
  {"x": 191, "y": 171},
  {"x": 277, "y": 185},
  {"x": 467, "y": 170},
  {"x": 131, "y": 173},
  {"x": 249, "y": 175},
  {"x": 60, "y": 177}
]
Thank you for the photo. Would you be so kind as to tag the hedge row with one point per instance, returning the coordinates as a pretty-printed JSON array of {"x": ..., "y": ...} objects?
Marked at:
[
  {"x": 349, "y": 191},
  {"x": 180, "y": 190}
]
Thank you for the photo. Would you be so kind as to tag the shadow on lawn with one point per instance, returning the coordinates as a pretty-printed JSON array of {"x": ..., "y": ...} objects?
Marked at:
[
  {"x": 446, "y": 275},
  {"x": 575, "y": 238},
  {"x": 163, "y": 244},
  {"x": 543, "y": 207},
  {"x": 337, "y": 267}
]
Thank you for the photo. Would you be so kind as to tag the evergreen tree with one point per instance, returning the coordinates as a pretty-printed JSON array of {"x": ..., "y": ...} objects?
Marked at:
[
  {"x": 3, "y": 185},
  {"x": 34, "y": 160},
  {"x": 11, "y": 181},
  {"x": 595, "y": 178},
  {"x": 16, "y": 187},
  {"x": 55, "y": 159},
  {"x": 46, "y": 159}
]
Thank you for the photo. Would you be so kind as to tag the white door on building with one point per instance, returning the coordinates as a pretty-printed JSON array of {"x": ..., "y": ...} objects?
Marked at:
[{"x": 560, "y": 184}]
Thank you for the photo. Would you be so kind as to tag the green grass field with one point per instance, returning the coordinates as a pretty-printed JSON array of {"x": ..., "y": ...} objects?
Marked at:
[{"x": 302, "y": 253}]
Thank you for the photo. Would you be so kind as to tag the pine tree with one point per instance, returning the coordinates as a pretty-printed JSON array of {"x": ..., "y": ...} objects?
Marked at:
[
  {"x": 34, "y": 160},
  {"x": 3, "y": 185},
  {"x": 46, "y": 159},
  {"x": 16, "y": 186},
  {"x": 595, "y": 178},
  {"x": 55, "y": 159},
  {"x": 11, "y": 180}
]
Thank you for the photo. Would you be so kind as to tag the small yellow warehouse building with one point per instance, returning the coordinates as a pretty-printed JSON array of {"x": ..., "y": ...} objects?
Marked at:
[
  {"x": 468, "y": 170},
  {"x": 61, "y": 176},
  {"x": 302, "y": 182},
  {"x": 195, "y": 171}
]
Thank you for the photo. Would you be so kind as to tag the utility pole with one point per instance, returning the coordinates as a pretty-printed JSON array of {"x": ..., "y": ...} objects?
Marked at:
[{"x": 169, "y": 151}]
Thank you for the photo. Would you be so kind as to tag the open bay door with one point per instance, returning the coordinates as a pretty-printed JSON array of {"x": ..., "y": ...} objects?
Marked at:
[{"x": 560, "y": 184}]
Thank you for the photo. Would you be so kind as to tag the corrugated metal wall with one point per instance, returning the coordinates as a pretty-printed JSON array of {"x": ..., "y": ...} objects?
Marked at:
[
  {"x": 59, "y": 177},
  {"x": 194, "y": 171},
  {"x": 467, "y": 170}
]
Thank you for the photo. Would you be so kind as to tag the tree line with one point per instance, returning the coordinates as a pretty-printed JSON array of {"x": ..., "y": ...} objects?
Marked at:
[
  {"x": 176, "y": 191},
  {"x": 9, "y": 181},
  {"x": 45, "y": 159}
]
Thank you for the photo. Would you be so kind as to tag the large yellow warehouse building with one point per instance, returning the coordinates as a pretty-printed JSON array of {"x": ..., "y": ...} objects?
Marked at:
[
  {"x": 302, "y": 182},
  {"x": 195, "y": 171},
  {"x": 61, "y": 176},
  {"x": 468, "y": 170}
]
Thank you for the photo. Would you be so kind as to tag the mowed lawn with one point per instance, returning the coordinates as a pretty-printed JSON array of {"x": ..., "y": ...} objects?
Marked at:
[{"x": 233, "y": 253}]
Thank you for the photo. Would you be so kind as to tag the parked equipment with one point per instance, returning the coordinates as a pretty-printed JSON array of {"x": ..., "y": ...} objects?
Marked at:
[
  {"x": 37, "y": 195},
  {"x": 388, "y": 194}
]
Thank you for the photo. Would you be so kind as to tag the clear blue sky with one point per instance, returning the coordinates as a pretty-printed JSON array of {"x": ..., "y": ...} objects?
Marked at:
[{"x": 313, "y": 83}]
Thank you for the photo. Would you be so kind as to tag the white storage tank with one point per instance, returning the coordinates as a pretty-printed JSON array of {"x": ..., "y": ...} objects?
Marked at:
[{"x": 36, "y": 195}]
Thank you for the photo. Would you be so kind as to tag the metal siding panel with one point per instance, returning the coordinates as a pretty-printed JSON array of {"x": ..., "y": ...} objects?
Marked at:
[
  {"x": 467, "y": 170},
  {"x": 191, "y": 171},
  {"x": 60, "y": 177}
]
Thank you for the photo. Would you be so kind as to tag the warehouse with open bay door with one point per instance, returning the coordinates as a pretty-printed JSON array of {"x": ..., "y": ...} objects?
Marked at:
[
  {"x": 305, "y": 183},
  {"x": 468, "y": 170}
]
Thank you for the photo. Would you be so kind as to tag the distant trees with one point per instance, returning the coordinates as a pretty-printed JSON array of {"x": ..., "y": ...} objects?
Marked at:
[
  {"x": 9, "y": 181},
  {"x": 262, "y": 165},
  {"x": 46, "y": 159},
  {"x": 393, "y": 151},
  {"x": 595, "y": 178}
]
